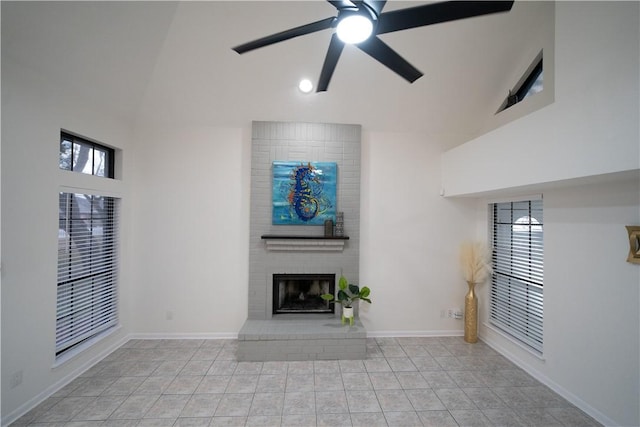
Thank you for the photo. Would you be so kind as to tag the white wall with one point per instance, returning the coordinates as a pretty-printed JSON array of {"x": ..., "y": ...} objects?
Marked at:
[
  {"x": 186, "y": 213},
  {"x": 33, "y": 112},
  {"x": 410, "y": 237},
  {"x": 581, "y": 153},
  {"x": 591, "y": 301},
  {"x": 592, "y": 315},
  {"x": 590, "y": 129},
  {"x": 191, "y": 235},
  {"x": 191, "y": 215}
]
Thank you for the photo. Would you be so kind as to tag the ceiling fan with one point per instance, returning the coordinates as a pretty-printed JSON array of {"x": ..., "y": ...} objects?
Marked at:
[{"x": 367, "y": 17}]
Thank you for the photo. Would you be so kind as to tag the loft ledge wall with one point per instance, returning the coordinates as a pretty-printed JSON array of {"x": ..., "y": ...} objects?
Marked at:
[{"x": 591, "y": 128}]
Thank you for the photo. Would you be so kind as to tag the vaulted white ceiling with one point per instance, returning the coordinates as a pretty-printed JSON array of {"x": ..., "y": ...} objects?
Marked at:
[{"x": 172, "y": 63}]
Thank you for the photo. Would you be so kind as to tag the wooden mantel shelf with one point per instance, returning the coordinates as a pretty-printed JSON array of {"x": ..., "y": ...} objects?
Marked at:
[{"x": 276, "y": 242}]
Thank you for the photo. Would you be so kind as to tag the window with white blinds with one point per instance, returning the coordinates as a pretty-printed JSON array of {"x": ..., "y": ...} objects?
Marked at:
[
  {"x": 87, "y": 302},
  {"x": 517, "y": 280}
]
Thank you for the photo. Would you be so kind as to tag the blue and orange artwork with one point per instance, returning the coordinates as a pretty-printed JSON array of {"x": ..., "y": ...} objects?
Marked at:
[{"x": 304, "y": 192}]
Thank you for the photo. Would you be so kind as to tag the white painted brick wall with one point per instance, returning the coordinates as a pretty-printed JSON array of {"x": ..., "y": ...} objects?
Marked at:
[{"x": 314, "y": 142}]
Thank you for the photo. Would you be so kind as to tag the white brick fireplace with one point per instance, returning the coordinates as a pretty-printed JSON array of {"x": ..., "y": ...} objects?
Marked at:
[
  {"x": 304, "y": 142},
  {"x": 301, "y": 249}
]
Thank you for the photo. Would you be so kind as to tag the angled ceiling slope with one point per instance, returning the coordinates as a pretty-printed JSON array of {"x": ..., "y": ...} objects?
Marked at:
[{"x": 167, "y": 63}]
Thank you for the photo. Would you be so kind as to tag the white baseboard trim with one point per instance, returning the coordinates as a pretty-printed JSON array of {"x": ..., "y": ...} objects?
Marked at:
[
  {"x": 53, "y": 388},
  {"x": 183, "y": 336},
  {"x": 443, "y": 333},
  {"x": 566, "y": 394}
]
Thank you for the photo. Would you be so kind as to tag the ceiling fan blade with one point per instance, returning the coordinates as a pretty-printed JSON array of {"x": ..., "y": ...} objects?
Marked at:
[
  {"x": 380, "y": 51},
  {"x": 343, "y": 4},
  {"x": 286, "y": 35},
  {"x": 376, "y": 5},
  {"x": 330, "y": 62},
  {"x": 435, "y": 13}
]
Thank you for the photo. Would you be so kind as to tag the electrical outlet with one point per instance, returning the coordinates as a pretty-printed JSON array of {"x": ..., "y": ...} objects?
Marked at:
[
  {"x": 454, "y": 313},
  {"x": 16, "y": 379},
  {"x": 442, "y": 314},
  {"x": 169, "y": 315}
]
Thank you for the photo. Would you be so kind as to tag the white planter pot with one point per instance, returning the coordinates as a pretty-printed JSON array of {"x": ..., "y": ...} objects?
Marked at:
[{"x": 347, "y": 312}]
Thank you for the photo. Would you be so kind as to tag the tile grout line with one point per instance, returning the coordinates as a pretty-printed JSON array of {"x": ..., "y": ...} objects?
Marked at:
[{"x": 127, "y": 362}]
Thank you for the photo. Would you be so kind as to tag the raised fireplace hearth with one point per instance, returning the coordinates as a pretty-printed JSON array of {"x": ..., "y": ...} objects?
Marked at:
[
  {"x": 319, "y": 338},
  {"x": 300, "y": 293}
]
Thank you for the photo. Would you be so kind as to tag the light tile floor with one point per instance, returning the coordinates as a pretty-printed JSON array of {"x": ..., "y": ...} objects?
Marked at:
[{"x": 403, "y": 382}]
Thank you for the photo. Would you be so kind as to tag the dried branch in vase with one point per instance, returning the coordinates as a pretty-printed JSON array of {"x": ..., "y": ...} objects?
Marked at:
[{"x": 475, "y": 262}]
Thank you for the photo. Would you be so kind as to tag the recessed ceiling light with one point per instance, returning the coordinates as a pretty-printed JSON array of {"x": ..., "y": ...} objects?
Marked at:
[
  {"x": 354, "y": 29},
  {"x": 305, "y": 86}
]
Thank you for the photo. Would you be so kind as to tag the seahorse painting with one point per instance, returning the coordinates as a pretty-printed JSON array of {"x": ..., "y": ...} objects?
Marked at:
[{"x": 304, "y": 192}]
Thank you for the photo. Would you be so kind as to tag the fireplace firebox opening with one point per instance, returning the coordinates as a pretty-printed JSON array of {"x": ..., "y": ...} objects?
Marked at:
[{"x": 300, "y": 293}]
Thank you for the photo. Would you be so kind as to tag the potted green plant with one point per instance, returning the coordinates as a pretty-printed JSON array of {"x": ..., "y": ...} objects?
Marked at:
[{"x": 348, "y": 293}]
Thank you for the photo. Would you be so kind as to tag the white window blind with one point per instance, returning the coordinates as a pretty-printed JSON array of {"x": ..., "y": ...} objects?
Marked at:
[
  {"x": 87, "y": 268},
  {"x": 517, "y": 280}
]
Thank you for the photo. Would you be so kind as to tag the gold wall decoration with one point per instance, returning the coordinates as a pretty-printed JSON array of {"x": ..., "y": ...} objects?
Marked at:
[{"x": 634, "y": 243}]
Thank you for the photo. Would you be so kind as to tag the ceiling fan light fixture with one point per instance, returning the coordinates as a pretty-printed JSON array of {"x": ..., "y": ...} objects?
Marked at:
[
  {"x": 354, "y": 29},
  {"x": 366, "y": 19}
]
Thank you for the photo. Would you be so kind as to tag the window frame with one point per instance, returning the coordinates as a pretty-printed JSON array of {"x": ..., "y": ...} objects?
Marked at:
[
  {"x": 516, "y": 306},
  {"x": 109, "y": 168},
  {"x": 528, "y": 82},
  {"x": 521, "y": 89},
  {"x": 89, "y": 279}
]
